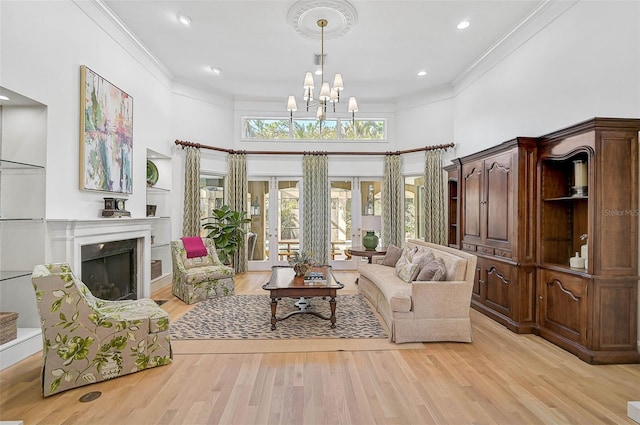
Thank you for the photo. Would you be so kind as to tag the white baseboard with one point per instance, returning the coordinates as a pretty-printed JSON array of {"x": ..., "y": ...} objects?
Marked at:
[
  {"x": 633, "y": 410},
  {"x": 161, "y": 282},
  {"x": 28, "y": 342}
]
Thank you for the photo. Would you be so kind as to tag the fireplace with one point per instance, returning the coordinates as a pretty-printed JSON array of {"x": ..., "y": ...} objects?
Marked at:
[
  {"x": 109, "y": 269},
  {"x": 69, "y": 237}
]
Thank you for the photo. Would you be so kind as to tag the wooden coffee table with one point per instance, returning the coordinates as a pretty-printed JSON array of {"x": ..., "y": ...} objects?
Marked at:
[{"x": 284, "y": 284}]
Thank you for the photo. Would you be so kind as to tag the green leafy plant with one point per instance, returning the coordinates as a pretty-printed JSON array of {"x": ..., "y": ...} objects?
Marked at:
[
  {"x": 302, "y": 262},
  {"x": 227, "y": 228}
]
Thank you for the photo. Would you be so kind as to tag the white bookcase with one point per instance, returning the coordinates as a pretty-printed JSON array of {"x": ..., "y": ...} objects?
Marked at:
[
  {"x": 22, "y": 219},
  {"x": 160, "y": 195}
]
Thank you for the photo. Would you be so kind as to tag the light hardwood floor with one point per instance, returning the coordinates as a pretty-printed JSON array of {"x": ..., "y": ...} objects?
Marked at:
[{"x": 500, "y": 378}]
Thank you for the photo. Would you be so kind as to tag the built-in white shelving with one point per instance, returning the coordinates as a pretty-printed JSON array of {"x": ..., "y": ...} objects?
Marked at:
[
  {"x": 159, "y": 195},
  {"x": 23, "y": 129}
]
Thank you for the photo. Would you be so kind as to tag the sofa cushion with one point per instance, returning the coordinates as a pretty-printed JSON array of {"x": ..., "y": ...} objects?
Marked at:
[
  {"x": 411, "y": 261},
  {"x": 392, "y": 256},
  {"x": 405, "y": 268},
  {"x": 455, "y": 265},
  {"x": 207, "y": 273},
  {"x": 433, "y": 270}
]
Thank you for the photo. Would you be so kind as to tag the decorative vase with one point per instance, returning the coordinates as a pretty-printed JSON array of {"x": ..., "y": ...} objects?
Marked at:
[
  {"x": 301, "y": 269},
  {"x": 370, "y": 241}
]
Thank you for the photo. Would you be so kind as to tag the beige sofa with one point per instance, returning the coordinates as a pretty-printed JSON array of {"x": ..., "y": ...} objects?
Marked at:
[{"x": 423, "y": 311}]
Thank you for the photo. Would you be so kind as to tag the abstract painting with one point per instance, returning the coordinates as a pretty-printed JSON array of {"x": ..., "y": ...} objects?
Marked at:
[{"x": 106, "y": 135}]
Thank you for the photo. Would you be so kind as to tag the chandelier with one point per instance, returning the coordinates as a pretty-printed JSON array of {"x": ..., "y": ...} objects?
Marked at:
[{"x": 328, "y": 96}]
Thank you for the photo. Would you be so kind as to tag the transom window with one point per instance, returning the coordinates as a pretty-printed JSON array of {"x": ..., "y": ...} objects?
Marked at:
[{"x": 311, "y": 129}]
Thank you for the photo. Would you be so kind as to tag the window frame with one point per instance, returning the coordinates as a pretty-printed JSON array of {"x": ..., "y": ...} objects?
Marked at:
[{"x": 339, "y": 123}]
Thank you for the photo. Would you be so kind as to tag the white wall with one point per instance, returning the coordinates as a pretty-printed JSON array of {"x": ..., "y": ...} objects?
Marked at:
[
  {"x": 584, "y": 64},
  {"x": 43, "y": 46},
  {"x": 425, "y": 120},
  {"x": 200, "y": 117}
]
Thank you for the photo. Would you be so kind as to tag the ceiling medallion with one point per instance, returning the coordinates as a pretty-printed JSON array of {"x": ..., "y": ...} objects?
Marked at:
[{"x": 304, "y": 15}]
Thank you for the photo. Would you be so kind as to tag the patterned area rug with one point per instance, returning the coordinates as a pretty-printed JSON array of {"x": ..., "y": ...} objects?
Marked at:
[{"x": 249, "y": 317}]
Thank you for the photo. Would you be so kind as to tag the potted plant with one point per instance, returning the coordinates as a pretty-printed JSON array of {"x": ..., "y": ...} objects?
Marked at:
[
  {"x": 227, "y": 228},
  {"x": 302, "y": 262}
]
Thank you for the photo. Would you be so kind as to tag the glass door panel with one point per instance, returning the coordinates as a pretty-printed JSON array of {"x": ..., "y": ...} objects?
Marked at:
[
  {"x": 371, "y": 197},
  {"x": 370, "y": 219},
  {"x": 341, "y": 223},
  {"x": 413, "y": 207},
  {"x": 211, "y": 197},
  {"x": 287, "y": 230},
  {"x": 258, "y": 236}
]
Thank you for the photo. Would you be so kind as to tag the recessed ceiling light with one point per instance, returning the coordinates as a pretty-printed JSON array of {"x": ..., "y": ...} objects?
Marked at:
[
  {"x": 4, "y": 97},
  {"x": 318, "y": 72},
  {"x": 215, "y": 70},
  {"x": 463, "y": 24},
  {"x": 422, "y": 73},
  {"x": 184, "y": 19}
]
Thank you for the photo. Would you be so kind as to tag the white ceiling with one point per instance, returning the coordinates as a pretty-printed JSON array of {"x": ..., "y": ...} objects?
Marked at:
[{"x": 262, "y": 56}]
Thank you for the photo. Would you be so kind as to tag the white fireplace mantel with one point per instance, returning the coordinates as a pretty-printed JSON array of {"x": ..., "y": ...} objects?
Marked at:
[{"x": 68, "y": 236}]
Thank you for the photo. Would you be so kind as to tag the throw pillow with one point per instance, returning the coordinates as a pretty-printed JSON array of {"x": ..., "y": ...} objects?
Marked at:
[
  {"x": 405, "y": 268},
  {"x": 392, "y": 256},
  {"x": 422, "y": 256},
  {"x": 434, "y": 270}
]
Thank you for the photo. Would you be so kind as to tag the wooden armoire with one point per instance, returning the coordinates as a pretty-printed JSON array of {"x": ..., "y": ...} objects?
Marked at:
[{"x": 526, "y": 206}]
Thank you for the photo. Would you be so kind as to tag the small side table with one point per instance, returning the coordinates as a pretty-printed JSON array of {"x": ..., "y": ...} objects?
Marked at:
[{"x": 361, "y": 251}]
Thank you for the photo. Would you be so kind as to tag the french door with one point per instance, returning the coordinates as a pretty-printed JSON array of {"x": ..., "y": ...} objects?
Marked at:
[
  {"x": 276, "y": 219},
  {"x": 351, "y": 200},
  {"x": 276, "y": 225},
  {"x": 344, "y": 222}
]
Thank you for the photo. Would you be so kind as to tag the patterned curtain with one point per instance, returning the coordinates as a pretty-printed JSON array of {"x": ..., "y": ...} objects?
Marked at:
[
  {"x": 392, "y": 208},
  {"x": 434, "y": 198},
  {"x": 237, "y": 199},
  {"x": 315, "y": 206},
  {"x": 191, "y": 212}
]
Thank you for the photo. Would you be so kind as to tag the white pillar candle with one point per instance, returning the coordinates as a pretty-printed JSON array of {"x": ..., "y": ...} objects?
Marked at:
[{"x": 580, "y": 171}]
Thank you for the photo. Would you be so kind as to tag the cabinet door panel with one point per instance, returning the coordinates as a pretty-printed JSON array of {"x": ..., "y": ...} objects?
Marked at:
[
  {"x": 472, "y": 175},
  {"x": 500, "y": 288},
  {"x": 563, "y": 305},
  {"x": 499, "y": 197},
  {"x": 617, "y": 225},
  {"x": 615, "y": 315}
]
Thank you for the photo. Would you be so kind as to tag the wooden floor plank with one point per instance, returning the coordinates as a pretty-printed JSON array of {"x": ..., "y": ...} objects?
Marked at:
[{"x": 500, "y": 378}]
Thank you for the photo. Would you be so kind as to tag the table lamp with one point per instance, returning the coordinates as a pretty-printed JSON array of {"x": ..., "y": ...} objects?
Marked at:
[{"x": 370, "y": 223}]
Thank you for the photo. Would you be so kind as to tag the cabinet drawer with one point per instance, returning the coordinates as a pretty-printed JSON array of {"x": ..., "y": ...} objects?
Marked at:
[
  {"x": 502, "y": 253},
  {"x": 468, "y": 247},
  {"x": 485, "y": 250}
]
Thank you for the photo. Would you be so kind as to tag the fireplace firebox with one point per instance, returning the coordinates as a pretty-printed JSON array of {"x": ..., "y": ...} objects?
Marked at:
[{"x": 109, "y": 269}]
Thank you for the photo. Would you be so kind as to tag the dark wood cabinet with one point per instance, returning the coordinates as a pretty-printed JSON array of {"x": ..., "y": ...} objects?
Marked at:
[
  {"x": 589, "y": 310},
  {"x": 497, "y": 224},
  {"x": 526, "y": 206},
  {"x": 453, "y": 194}
]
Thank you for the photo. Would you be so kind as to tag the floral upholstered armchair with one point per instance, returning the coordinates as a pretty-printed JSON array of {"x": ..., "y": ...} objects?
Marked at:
[
  {"x": 196, "y": 279},
  {"x": 88, "y": 340}
]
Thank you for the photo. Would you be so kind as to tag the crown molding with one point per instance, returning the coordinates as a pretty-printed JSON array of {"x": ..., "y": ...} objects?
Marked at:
[
  {"x": 122, "y": 35},
  {"x": 547, "y": 12}
]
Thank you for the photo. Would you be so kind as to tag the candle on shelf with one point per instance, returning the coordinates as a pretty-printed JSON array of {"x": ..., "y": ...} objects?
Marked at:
[{"x": 580, "y": 173}]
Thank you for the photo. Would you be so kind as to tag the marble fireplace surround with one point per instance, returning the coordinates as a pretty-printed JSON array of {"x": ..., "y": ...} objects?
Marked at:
[{"x": 68, "y": 236}]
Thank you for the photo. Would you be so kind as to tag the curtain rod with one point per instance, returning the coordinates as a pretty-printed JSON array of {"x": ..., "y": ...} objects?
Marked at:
[{"x": 232, "y": 151}]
